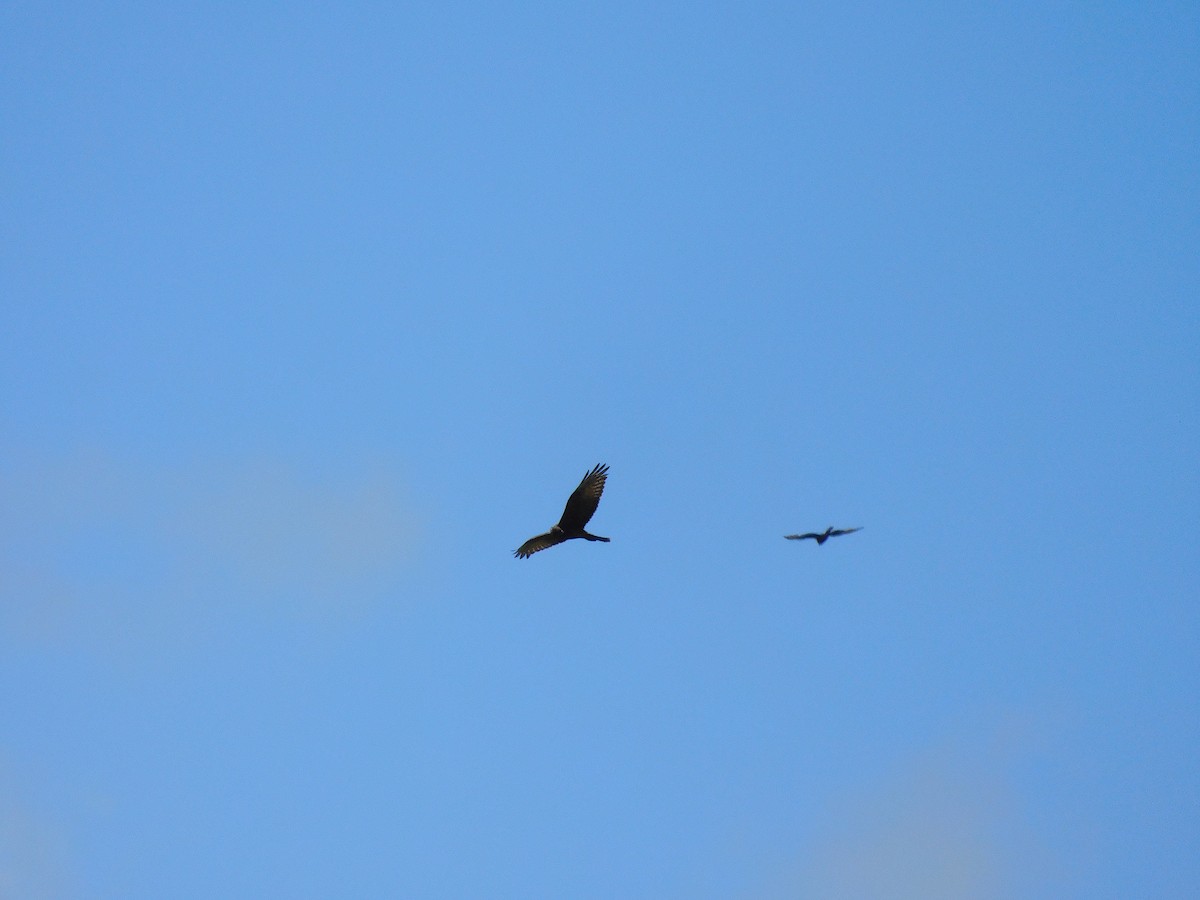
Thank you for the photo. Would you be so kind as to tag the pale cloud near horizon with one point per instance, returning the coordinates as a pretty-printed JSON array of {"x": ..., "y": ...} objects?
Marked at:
[
  {"x": 33, "y": 859},
  {"x": 95, "y": 546},
  {"x": 947, "y": 824}
]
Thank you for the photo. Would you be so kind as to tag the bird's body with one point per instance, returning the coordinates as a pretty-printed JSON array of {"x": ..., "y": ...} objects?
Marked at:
[
  {"x": 824, "y": 536},
  {"x": 581, "y": 506}
]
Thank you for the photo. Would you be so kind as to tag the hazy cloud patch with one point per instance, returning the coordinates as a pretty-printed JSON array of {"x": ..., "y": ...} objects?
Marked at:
[
  {"x": 946, "y": 825},
  {"x": 95, "y": 545},
  {"x": 33, "y": 861}
]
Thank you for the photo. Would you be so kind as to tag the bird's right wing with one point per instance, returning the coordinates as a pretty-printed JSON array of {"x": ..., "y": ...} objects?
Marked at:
[
  {"x": 800, "y": 537},
  {"x": 581, "y": 505},
  {"x": 541, "y": 542}
]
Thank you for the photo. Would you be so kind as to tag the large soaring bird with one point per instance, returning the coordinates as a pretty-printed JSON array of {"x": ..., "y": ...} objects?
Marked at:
[
  {"x": 822, "y": 538},
  {"x": 581, "y": 506}
]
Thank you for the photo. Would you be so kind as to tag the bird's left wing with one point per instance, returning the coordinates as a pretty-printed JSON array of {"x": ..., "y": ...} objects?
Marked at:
[{"x": 581, "y": 505}]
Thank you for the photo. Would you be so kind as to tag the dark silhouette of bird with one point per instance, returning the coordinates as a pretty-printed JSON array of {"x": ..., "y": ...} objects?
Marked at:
[
  {"x": 581, "y": 506},
  {"x": 822, "y": 538}
]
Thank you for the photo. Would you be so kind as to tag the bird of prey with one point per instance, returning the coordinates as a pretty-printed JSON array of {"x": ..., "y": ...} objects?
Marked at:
[
  {"x": 581, "y": 506},
  {"x": 822, "y": 538}
]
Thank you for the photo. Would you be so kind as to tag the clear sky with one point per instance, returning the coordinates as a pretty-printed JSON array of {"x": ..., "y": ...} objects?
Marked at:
[{"x": 311, "y": 313}]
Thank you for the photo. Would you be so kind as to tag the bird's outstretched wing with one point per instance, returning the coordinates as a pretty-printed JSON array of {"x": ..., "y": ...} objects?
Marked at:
[
  {"x": 581, "y": 505},
  {"x": 844, "y": 531},
  {"x": 800, "y": 537},
  {"x": 541, "y": 542}
]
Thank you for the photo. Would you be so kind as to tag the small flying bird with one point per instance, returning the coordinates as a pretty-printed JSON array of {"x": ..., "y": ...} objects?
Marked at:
[
  {"x": 822, "y": 538},
  {"x": 581, "y": 506}
]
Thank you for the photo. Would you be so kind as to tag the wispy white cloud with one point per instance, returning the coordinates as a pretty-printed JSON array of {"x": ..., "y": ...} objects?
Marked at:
[
  {"x": 948, "y": 824},
  {"x": 94, "y": 545},
  {"x": 33, "y": 858},
  {"x": 932, "y": 834}
]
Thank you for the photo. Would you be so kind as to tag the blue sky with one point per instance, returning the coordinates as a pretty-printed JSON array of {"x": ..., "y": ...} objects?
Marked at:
[{"x": 311, "y": 315}]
